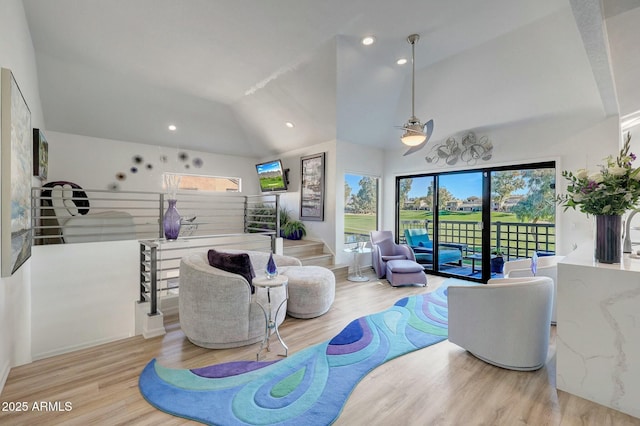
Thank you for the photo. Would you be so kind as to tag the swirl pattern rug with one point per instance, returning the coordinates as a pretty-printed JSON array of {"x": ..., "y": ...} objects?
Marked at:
[{"x": 307, "y": 388}]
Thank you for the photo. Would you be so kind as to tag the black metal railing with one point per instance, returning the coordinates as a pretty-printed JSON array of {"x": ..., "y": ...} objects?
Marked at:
[{"x": 513, "y": 239}]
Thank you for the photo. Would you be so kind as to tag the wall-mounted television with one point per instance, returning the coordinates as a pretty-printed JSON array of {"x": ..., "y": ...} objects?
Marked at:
[{"x": 272, "y": 176}]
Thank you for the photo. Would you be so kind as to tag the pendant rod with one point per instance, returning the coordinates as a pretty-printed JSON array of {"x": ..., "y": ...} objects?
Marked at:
[
  {"x": 412, "y": 39},
  {"x": 413, "y": 79}
]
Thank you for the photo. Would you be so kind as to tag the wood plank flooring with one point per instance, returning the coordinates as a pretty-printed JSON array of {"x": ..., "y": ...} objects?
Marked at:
[{"x": 438, "y": 385}]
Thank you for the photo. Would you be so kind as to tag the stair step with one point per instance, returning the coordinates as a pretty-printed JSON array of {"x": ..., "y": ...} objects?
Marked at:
[
  {"x": 306, "y": 249},
  {"x": 318, "y": 260},
  {"x": 340, "y": 270},
  {"x": 313, "y": 253}
]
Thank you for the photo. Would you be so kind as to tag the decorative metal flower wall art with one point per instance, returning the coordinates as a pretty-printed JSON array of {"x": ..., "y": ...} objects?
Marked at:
[{"x": 469, "y": 150}]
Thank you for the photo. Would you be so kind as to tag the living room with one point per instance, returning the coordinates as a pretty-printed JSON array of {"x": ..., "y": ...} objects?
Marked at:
[{"x": 500, "y": 86}]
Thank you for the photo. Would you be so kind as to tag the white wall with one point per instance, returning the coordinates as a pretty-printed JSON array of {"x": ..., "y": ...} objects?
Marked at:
[
  {"x": 93, "y": 163},
  {"x": 82, "y": 295},
  {"x": 17, "y": 54},
  {"x": 317, "y": 230}
]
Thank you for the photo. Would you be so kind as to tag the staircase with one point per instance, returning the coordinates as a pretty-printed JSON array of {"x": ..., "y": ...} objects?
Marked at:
[{"x": 315, "y": 253}]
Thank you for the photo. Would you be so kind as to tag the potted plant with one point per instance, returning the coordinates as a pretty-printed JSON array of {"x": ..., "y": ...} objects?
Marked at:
[
  {"x": 293, "y": 230},
  {"x": 497, "y": 261},
  {"x": 285, "y": 217}
]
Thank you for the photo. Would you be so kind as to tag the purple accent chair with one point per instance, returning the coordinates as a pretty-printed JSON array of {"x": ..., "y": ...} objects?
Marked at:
[{"x": 385, "y": 249}]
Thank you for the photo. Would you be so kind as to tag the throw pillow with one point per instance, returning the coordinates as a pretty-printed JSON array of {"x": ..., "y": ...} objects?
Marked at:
[
  {"x": 421, "y": 240},
  {"x": 239, "y": 263},
  {"x": 386, "y": 247}
]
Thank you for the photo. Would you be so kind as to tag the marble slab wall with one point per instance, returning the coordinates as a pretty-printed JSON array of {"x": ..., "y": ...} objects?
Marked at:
[{"x": 598, "y": 331}]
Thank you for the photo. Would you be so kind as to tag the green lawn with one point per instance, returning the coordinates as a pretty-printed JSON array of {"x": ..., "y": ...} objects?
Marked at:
[
  {"x": 457, "y": 216},
  {"x": 359, "y": 223},
  {"x": 363, "y": 223}
]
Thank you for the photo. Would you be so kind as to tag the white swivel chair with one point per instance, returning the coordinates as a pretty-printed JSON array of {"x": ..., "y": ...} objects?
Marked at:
[
  {"x": 547, "y": 267},
  {"x": 505, "y": 323}
]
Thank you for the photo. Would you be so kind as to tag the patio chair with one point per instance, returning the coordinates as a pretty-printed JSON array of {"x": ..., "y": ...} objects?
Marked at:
[
  {"x": 422, "y": 245},
  {"x": 385, "y": 249}
]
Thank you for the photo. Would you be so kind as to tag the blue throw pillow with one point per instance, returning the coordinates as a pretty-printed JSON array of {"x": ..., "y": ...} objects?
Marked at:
[{"x": 421, "y": 240}]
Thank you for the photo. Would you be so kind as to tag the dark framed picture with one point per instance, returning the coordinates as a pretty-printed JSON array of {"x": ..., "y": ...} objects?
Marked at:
[
  {"x": 312, "y": 187},
  {"x": 17, "y": 160},
  {"x": 40, "y": 154}
]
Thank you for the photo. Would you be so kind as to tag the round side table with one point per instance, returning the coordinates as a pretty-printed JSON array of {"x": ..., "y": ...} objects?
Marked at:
[
  {"x": 271, "y": 321},
  {"x": 357, "y": 272}
]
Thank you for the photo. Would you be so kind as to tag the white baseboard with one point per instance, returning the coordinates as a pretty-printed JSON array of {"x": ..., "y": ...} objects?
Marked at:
[{"x": 73, "y": 348}]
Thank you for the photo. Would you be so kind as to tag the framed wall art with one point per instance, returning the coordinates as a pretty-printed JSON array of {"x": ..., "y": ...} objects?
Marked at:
[
  {"x": 312, "y": 187},
  {"x": 16, "y": 159},
  {"x": 40, "y": 155}
]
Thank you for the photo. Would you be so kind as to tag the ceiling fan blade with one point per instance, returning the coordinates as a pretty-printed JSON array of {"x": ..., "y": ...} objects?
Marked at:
[
  {"x": 428, "y": 130},
  {"x": 415, "y": 148}
]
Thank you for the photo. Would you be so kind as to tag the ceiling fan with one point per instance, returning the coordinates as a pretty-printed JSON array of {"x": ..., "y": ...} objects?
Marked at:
[{"x": 416, "y": 135}]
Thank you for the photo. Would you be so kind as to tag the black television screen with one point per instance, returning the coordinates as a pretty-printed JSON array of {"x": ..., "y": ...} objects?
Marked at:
[{"x": 271, "y": 176}]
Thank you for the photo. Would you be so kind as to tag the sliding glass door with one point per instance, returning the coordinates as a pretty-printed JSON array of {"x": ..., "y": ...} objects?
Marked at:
[
  {"x": 466, "y": 223},
  {"x": 460, "y": 224},
  {"x": 415, "y": 212}
]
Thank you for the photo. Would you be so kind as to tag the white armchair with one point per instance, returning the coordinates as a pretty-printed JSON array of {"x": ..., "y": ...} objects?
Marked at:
[
  {"x": 505, "y": 323},
  {"x": 547, "y": 267}
]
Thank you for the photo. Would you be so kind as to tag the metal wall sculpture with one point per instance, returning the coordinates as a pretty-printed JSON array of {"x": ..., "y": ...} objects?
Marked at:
[{"x": 469, "y": 150}]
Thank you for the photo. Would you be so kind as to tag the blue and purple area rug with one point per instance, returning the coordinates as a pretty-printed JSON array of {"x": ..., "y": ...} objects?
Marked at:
[{"x": 307, "y": 388}]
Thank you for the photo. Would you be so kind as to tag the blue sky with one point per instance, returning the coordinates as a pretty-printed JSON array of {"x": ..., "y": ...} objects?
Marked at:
[
  {"x": 462, "y": 186},
  {"x": 269, "y": 167}
]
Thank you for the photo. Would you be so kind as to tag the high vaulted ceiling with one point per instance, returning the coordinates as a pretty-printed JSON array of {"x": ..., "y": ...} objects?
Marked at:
[{"x": 230, "y": 73}]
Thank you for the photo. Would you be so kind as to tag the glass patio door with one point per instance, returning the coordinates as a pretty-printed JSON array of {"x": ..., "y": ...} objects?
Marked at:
[
  {"x": 415, "y": 203},
  {"x": 479, "y": 218},
  {"x": 459, "y": 222}
]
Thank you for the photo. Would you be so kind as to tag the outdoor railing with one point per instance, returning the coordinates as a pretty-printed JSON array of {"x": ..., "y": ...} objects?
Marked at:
[{"x": 513, "y": 239}]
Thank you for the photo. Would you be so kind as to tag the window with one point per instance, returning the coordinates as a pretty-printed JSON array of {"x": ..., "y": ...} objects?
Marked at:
[
  {"x": 208, "y": 183},
  {"x": 360, "y": 207}
]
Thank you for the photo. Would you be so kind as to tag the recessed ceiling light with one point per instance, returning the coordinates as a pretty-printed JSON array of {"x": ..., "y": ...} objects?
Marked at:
[
  {"x": 401, "y": 61},
  {"x": 368, "y": 40},
  {"x": 172, "y": 127},
  {"x": 289, "y": 124}
]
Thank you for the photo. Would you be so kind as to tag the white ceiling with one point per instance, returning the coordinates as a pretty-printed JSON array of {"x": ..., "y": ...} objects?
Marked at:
[{"x": 230, "y": 73}]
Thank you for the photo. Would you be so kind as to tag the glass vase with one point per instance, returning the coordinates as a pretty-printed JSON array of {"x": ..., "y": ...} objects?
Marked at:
[
  {"x": 171, "y": 221},
  {"x": 608, "y": 243},
  {"x": 271, "y": 270}
]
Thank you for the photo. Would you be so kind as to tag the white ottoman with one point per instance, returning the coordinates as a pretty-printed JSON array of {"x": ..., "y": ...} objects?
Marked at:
[{"x": 312, "y": 290}]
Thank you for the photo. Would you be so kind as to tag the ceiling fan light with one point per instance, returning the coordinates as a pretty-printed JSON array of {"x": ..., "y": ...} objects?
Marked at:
[{"x": 411, "y": 138}]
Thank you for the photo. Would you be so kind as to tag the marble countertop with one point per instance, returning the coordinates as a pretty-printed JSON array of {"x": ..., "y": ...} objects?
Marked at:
[{"x": 583, "y": 256}]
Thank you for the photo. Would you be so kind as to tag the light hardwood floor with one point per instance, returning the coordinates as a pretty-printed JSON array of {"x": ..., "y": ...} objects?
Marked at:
[{"x": 438, "y": 385}]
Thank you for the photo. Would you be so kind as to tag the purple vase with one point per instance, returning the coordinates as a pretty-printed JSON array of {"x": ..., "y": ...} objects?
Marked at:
[{"x": 171, "y": 221}]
